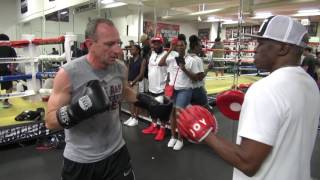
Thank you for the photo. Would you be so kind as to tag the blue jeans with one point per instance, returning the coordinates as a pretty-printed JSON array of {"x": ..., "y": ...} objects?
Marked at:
[{"x": 182, "y": 98}]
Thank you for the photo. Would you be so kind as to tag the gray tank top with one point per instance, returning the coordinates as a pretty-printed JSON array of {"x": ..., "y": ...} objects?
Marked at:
[{"x": 100, "y": 136}]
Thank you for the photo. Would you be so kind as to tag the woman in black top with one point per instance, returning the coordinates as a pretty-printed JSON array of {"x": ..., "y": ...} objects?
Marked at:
[
  {"x": 6, "y": 69},
  {"x": 136, "y": 69}
]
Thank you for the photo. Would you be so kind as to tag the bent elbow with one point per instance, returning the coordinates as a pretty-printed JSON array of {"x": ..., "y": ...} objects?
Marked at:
[
  {"x": 250, "y": 173},
  {"x": 250, "y": 170}
]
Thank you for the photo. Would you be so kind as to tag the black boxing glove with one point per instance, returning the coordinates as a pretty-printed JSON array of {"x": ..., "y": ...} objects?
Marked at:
[
  {"x": 146, "y": 101},
  {"x": 93, "y": 102},
  {"x": 160, "y": 108}
]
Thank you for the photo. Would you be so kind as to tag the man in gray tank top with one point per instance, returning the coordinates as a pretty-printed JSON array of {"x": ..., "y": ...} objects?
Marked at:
[{"x": 85, "y": 102}]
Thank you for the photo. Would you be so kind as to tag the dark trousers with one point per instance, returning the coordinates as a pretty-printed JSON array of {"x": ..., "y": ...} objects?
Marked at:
[{"x": 115, "y": 167}]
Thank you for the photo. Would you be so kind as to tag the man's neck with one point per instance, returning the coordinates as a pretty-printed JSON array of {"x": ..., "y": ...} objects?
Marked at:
[
  {"x": 286, "y": 64},
  {"x": 95, "y": 63}
]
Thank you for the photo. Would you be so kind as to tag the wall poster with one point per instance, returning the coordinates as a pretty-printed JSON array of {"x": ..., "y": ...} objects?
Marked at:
[
  {"x": 167, "y": 31},
  {"x": 204, "y": 34}
]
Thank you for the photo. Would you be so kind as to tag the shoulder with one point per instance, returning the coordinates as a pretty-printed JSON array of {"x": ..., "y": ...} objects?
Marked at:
[
  {"x": 75, "y": 63},
  {"x": 62, "y": 76}
]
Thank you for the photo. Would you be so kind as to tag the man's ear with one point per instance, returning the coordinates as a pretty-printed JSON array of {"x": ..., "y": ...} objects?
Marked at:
[
  {"x": 284, "y": 49},
  {"x": 88, "y": 43}
]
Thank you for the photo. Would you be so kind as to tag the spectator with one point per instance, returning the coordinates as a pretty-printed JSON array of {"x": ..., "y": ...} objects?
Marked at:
[{"x": 6, "y": 68}]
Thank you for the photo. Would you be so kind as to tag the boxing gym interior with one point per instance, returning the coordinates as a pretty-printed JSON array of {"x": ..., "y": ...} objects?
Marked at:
[{"x": 46, "y": 34}]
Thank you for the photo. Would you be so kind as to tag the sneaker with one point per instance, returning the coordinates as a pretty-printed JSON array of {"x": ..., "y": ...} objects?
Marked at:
[
  {"x": 160, "y": 134},
  {"x": 127, "y": 121},
  {"x": 6, "y": 104},
  {"x": 152, "y": 129},
  {"x": 133, "y": 122},
  {"x": 178, "y": 145},
  {"x": 172, "y": 141}
]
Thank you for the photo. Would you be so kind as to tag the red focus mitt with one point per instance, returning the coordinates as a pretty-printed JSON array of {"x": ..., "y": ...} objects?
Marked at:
[
  {"x": 229, "y": 103},
  {"x": 196, "y": 122}
]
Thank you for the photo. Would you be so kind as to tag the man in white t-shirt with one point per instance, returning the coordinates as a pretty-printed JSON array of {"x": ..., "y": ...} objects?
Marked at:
[
  {"x": 280, "y": 114},
  {"x": 157, "y": 79}
]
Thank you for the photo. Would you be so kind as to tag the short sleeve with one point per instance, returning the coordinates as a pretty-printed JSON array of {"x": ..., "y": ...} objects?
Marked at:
[
  {"x": 171, "y": 58},
  {"x": 200, "y": 65},
  {"x": 197, "y": 65}
]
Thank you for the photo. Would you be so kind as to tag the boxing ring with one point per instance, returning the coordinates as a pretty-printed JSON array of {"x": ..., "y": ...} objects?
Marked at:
[{"x": 11, "y": 130}]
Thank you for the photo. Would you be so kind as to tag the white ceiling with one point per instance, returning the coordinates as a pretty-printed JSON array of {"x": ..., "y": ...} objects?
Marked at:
[{"x": 228, "y": 9}]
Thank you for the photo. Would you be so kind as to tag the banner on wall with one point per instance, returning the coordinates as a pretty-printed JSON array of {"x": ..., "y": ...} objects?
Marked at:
[
  {"x": 167, "y": 31},
  {"x": 204, "y": 34},
  {"x": 24, "y": 6}
]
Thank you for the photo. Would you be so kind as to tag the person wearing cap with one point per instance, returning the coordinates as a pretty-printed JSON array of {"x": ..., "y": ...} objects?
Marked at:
[
  {"x": 6, "y": 69},
  {"x": 280, "y": 113},
  {"x": 157, "y": 80}
]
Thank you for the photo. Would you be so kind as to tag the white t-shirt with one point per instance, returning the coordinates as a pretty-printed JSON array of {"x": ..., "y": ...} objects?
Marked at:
[
  {"x": 198, "y": 69},
  {"x": 282, "y": 110},
  {"x": 182, "y": 79},
  {"x": 156, "y": 74}
]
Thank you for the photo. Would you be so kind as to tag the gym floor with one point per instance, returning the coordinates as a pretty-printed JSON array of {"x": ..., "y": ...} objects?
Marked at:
[{"x": 151, "y": 160}]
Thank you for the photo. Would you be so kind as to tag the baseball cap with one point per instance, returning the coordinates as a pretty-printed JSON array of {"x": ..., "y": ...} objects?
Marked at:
[
  {"x": 157, "y": 38},
  {"x": 143, "y": 37},
  {"x": 283, "y": 29}
]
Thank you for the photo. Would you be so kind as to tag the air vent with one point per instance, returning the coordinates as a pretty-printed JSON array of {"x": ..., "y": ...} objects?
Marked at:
[{"x": 86, "y": 7}]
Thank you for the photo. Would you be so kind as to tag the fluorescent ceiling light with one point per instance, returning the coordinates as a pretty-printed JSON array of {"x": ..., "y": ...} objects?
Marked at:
[
  {"x": 166, "y": 17},
  {"x": 204, "y": 12},
  {"x": 262, "y": 15},
  {"x": 64, "y": 12},
  {"x": 229, "y": 21},
  {"x": 308, "y": 12},
  {"x": 107, "y": 1},
  {"x": 115, "y": 4},
  {"x": 112, "y": 3},
  {"x": 214, "y": 19}
]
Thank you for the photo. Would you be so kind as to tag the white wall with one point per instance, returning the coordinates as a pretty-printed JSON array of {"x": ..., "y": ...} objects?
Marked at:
[
  {"x": 8, "y": 14},
  {"x": 124, "y": 17},
  {"x": 214, "y": 31},
  {"x": 188, "y": 29},
  {"x": 37, "y": 8}
]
